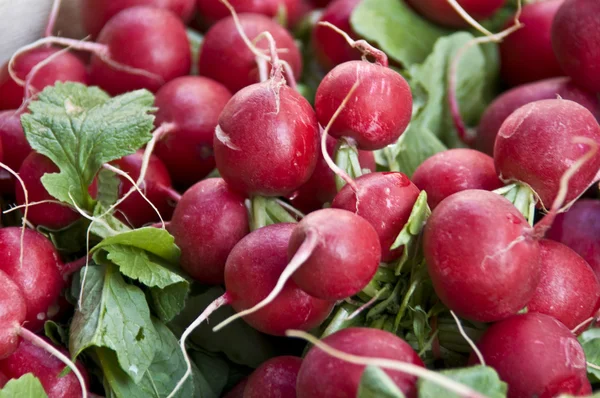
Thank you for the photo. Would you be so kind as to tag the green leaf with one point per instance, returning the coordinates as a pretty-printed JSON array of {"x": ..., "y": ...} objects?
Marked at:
[
  {"x": 115, "y": 315},
  {"x": 108, "y": 188},
  {"x": 153, "y": 240},
  {"x": 482, "y": 379},
  {"x": 56, "y": 333},
  {"x": 69, "y": 240},
  {"x": 26, "y": 386},
  {"x": 80, "y": 128},
  {"x": 214, "y": 370},
  {"x": 167, "y": 303},
  {"x": 400, "y": 32},
  {"x": 590, "y": 341},
  {"x": 375, "y": 383}
]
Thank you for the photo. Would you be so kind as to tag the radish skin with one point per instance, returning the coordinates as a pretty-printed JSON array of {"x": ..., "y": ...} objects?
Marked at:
[{"x": 275, "y": 378}]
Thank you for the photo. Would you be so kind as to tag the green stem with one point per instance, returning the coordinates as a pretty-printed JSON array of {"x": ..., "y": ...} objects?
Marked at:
[
  {"x": 382, "y": 306},
  {"x": 259, "y": 212},
  {"x": 346, "y": 157},
  {"x": 385, "y": 275},
  {"x": 379, "y": 322},
  {"x": 404, "y": 304},
  {"x": 371, "y": 289},
  {"x": 340, "y": 320},
  {"x": 277, "y": 212}
]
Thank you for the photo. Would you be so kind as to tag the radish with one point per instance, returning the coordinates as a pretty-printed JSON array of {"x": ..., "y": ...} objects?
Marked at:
[
  {"x": 321, "y": 188},
  {"x": 209, "y": 220},
  {"x": 62, "y": 67},
  {"x": 443, "y": 13},
  {"x": 238, "y": 390},
  {"x": 3, "y": 380},
  {"x": 275, "y": 378},
  {"x": 526, "y": 55},
  {"x": 223, "y": 45},
  {"x": 510, "y": 101},
  {"x": 331, "y": 49},
  {"x": 536, "y": 355},
  {"x": 13, "y": 311},
  {"x": 482, "y": 256},
  {"x": 579, "y": 229},
  {"x": 385, "y": 200},
  {"x": 188, "y": 110},
  {"x": 214, "y": 10},
  {"x": 96, "y": 13},
  {"x": 575, "y": 34},
  {"x": 568, "y": 289},
  {"x": 324, "y": 376},
  {"x": 12, "y": 136},
  {"x": 455, "y": 170},
  {"x": 535, "y": 147},
  {"x": 156, "y": 186}
]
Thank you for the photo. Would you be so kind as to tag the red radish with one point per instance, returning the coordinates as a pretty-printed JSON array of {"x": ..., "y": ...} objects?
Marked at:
[
  {"x": 135, "y": 210},
  {"x": 536, "y": 355},
  {"x": 535, "y": 146},
  {"x": 143, "y": 38},
  {"x": 481, "y": 255},
  {"x": 275, "y": 378},
  {"x": 63, "y": 67},
  {"x": 191, "y": 106},
  {"x": 575, "y": 36},
  {"x": 209, "y": 220},
  {"x": 266, "y": 142},
  {"x": 385, "y": 200},
  {"x": 214, "y": 10},
  {"x": 324, "y": 376},
  {"x": 31, "y": 358},
  {"x": 13, "y": 310},
  {"x": 380, "y": 108},
  {"x": 320, "y": 3},
  {"x": 13, "y": 137},
  {"x": 238, "y": 390},
  {"x": 510, "y": 101},
  {"x": 568, "y": 289},
  {"x": 3, "y": 380},
  {"x": 579, "y": 229},
  {"x": 526, "y": 55},
  {"x": 441, "y": 12},
  {"x": 49, "y": 215},
  {"x": 96, "y": 13},
  {"x": 331, "y": 48},
  {"x": 321, "y": 188},
  {"x": 223, "y": 45},
  {"x": 455, "y": 170}
]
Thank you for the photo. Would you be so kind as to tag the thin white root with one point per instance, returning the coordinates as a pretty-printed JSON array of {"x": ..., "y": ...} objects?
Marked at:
[
  {"x": 361, "y": 45},
  {"x": 366, "y": 305},
  {"x": 52, "y": 18},
  {"x": 219, "y": 302},
  {"x": 263, "y": 71},
  {"x": 26, "y": 205},
  {"x": 31, "y": 90},
  {"x": 582, "y": 324},
  {"x": 468, "y": 339},
  {"x": 593, "y": 366},
  {"x": 257, "y": 52},
  {"x": 405, "y": 367},
  {"x": 41, "y": 202},
  {"x": 157, "y": 135},
  {"x": 39, "y": 342},
  {"x": 290, "y": 208},
  {"x": 477, "y": 26},
  {"x": 304, "y": 252}
]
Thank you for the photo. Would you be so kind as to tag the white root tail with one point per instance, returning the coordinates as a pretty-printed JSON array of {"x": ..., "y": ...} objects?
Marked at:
[
  {"x": 363, "y": 46},
  {"x": 26, "y": 206},
  {"x": 468, "y": 339}
]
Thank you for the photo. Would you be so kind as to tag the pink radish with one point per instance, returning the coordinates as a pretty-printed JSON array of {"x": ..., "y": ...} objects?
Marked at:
[
  {"x": 504, "y": 105},
  {"x": 209, "y": 220},
  {"x": 238, "y": 390},
  {"x": 275, "y": 378},
  {"x": 526, "y": 55},
  {"x": 442, "y": 13},
  {"x": 575, "y": 35},
  {"x": 385, "y": 200},
  {"x": 455, "y": 170},
  {"x": 213, "y": 10},
  {"x": 13, "y": 137},
  {"x": 568, "y": 289},
  {"x": 512, "y": 346},
  {"x": 12, "y": 315},
  {"x": 96, "y": 13},
  {"x": 190, "y": 107},
  {"x": 223, "y": 45},
  {"x": 535, "y": 147}
]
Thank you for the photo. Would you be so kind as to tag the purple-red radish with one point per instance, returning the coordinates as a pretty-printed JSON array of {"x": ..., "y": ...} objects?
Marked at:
[
  {"x": 3, "y": 380},
  {"x": 385, "y": 200},
  {"x": 536, "y": 355},
  {"x": 141, "y": 38},
  {"x": 535, "y": 146},
  {"x": 209, "y": 220},
  {"x": 96, "y": 13},
  {"x": 13, "y": 137},
  {"x": 325, "y": 376},
  {"x": 156, "y": 186},
  {"x": 526, "y": 55},
  {"x": 482, "y": 256},
  {"x": 575, "y": 37},
  {"x": 223, "y": 45},
  {"x": 238, "y": 390},
  {"x": 455, "y": 170},
  {"x": 275, "y": 378},
  {"x": 321, "y": 188},
  {"x": 504, "y": 105},
  {"x": 63, "y": 67},
  {"x": 568, "y": 289},
  {"x": 13, "y": 310},
  {"x": 579, "y": 229},
  {"x": 330, "y": 47},
  {"x": 214, "y": 10},
  {"x": 191, "y": 106},
  {"x": 442, "y": 13}
]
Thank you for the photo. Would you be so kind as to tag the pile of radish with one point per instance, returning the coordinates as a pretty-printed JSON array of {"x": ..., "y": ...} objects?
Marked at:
[{"x": 303, "y": 198}]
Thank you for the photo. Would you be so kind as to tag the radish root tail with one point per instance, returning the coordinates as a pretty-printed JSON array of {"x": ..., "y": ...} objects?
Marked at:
[
  {"x": 26, "y": 206},
  {"x": 468, "y": 339},
  {"x": 363, "y": 46}
]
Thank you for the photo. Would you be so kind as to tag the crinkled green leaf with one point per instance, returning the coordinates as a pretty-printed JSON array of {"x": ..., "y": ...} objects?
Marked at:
[
  {"x": 482, "y": 379},
  {"x": 26, "y": 386},
  {"x": 153, "y": 240},
  {"x": 106, "y": 225},
  {"x": 214, "y": 370},
  {"x": 80, "y": 128},
  {"x": 114, "y": 315},
  {"x": 167, "y": 303},
  {"x": 56, "y": 333},
  {"x": 590, "y": 341},
  {"x": 409, "y": 234},
  {"x": 69, "y": 240},
  {"x": 396, "y": 29},
  {"x": 375, "y": 383},
  {"x": 108, "y": 188}
]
